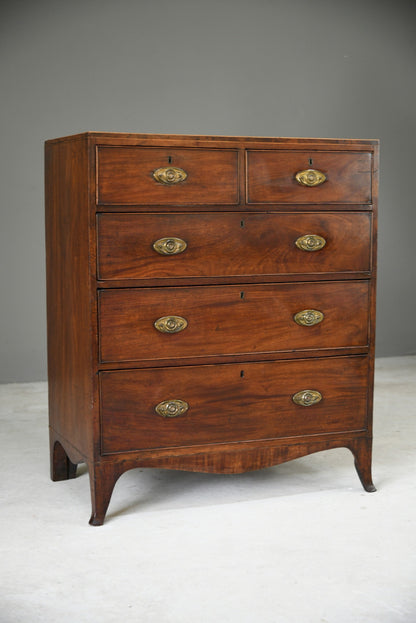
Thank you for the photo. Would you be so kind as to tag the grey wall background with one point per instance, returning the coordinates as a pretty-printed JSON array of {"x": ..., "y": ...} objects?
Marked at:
[{"x": 321, "y": 68}]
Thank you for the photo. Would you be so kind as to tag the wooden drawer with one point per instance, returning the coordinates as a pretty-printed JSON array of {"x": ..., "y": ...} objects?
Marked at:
[
  {"x": 271, "y": 177},
  {"x": 230, "y": 320},
  {"x": 125, "y": 176},
  {"x": 231, "y": 402},
  {"x": 231, "y": 244}
]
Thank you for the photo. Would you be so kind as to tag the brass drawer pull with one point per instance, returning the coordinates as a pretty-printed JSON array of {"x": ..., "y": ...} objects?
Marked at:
[
  {"x": 170, "y": 324},
  {"x": 171, "y": 408},
  {"x": 310, "y": 177},
  {"x": 169, "y": 246},
  {"x": 307, "y": 397},
  {"x": 310, "y": 242},
  {"x": 308, "y": 317},
  {"x": 170, "y": 175}
]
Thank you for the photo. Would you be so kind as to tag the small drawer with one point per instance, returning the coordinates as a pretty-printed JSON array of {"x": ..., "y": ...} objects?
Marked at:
[
  {"x": 160, "y": 176},
  {"x": 279, "y": 176},
  {"x": 230, "y": 244},
  {"x": 208, "y": 321},
  {"x": 194, "y": 405}
]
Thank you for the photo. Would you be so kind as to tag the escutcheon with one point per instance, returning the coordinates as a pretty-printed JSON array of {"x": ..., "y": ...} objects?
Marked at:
[
  {"x": 170, "y": 175},
  {"x": 172, "y": 408},
  {"x": 310, "y": 242},
  {"x": 169, "y": 246},
  {"x": 310, "y": 177},
  {"x": 170, "y": 324},
  {"x": 308, "y": 317},
  {"x": 307, "y": 397}
]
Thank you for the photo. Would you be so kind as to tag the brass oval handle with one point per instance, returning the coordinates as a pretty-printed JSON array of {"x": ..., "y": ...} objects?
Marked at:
[
  {"x": 170, "y": 175},
  {"x": 171, "y": 408},
  {"x": 310, "y": 177},
  {"x": 310, "y": 242},
  {"x": 308, "y": 317},
  {"x": 307, "y": 397},
  {"x": 169, "y": 246},
  {"x": 170, "y": 324}
]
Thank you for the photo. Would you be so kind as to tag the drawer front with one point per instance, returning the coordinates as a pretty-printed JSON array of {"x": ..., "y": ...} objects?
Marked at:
[
  {"x": 158, "y": 176},
  {"x": 271, "y": 177},
  {"x": 232, "y": 244},
  {"x": 208, "y": 321},
  {"x": 228, "y": 403}
]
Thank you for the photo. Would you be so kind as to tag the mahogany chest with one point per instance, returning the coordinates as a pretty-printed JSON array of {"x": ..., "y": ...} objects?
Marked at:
[{"x": 211, "y": 302}]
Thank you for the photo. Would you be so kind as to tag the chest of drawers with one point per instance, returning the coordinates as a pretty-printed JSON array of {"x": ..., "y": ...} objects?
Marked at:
[{"x": 210, "y": 302}]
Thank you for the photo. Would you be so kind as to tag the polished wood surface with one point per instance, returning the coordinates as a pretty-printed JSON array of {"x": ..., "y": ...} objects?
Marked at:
[
  {"x": 230, "y": 403},
  {"x": 235, "y": 244},
  {"x": 271, "y": 177},
  {"x": 224, "y": 459},
  {"x": 239, "y": 282},
  {"x": 70, "y": 327},
  {"x": 230, "y": 320},
  {"x": 125, "y": 176}
]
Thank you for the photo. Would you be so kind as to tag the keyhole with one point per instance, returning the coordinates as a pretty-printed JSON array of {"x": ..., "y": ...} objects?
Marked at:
[
  {"x": 241, "y": 223},
  {"x": 170, "y": 159},
  {"x": 310, "y": 162},
  {"x": 241, "y": 295},
  {"x": 242, "y": 373}
]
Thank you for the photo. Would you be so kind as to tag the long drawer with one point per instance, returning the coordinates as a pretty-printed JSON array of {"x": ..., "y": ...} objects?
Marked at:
[
  {"x": 186, "y": 406},
  {"x": 202, "y": 321},
  {"x": 148, "y": 246}
]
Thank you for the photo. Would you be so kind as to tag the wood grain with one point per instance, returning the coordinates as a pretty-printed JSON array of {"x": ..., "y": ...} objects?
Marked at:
[
  {"x": 271, "y": 177},
  {"x": 230, "y": 320},
  {"x": 240, "y": 281},
  {"x": 70, "y": 333},
  {"x": 231, "y": 402},
  {"x": 235, "y": 244},
  {"x": 125, "y": 176}
]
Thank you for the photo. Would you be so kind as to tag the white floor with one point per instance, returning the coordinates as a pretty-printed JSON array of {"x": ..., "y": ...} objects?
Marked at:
[{"x": 296, "y": 543}]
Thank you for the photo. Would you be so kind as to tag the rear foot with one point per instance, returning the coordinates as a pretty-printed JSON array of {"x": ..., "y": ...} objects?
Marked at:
[{"x": 61, "y": 466}]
